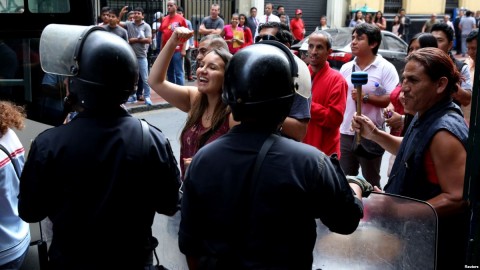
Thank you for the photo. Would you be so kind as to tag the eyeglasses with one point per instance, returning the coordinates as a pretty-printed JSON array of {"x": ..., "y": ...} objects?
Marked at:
[{"x": 265, "y": 37}]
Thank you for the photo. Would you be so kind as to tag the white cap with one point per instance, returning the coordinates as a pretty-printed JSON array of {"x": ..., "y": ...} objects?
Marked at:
[{"x": 158, "y": 15}]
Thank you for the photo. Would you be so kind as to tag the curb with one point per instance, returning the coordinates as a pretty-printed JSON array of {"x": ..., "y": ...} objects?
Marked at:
[{"x": 145, "y": 108}]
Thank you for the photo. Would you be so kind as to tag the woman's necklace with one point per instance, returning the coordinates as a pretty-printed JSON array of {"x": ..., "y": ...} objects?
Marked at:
[{"x": 207, "y": 115}]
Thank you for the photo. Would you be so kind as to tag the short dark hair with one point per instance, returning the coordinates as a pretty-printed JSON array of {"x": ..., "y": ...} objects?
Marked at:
[
  {"x": 104, "y": 9},
  {"x": 114, "y": 11},
  {"x": 283, "y": 34},
  {"x": 425, "y": 40},
  {"x": 445, "y": 28},
  {"x": 372, "y": 32},
  {"x": 472, "y": 35},
  {"x": 179, "y": 9},
  {"x": 138, "y": 9},
  {"x": 437, "y": 64}
]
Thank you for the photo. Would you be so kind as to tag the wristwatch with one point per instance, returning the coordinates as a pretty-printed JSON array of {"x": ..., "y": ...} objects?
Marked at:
[{"x": 365, "y": 98}]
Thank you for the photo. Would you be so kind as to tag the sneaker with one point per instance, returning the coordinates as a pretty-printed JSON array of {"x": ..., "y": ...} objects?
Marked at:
[
  {"x": 148, "y": 101},
  {"x": 140, "y": 98},
  {"x": 132, "y": 99}
]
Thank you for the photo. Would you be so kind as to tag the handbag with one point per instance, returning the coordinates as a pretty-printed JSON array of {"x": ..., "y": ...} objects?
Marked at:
[{"x": 367, "y": 148}]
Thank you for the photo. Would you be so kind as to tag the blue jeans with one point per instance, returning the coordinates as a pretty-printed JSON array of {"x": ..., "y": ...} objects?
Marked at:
[
  {"x": 15, "y": 264},
  {"x": 351, "y": 163},
  {"x": 175, "y": 72},
  {"x": 143, "y": 70},
  {"x": 139, "y": 87}
]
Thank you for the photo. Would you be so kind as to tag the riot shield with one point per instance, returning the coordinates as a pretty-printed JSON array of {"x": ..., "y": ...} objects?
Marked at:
[
  {"x": 395, "y": 233},
  {"x": 165, "y": 229}
]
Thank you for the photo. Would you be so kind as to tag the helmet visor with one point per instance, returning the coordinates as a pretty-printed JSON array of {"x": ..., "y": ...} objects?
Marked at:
[{"x": 59, "y": 46}]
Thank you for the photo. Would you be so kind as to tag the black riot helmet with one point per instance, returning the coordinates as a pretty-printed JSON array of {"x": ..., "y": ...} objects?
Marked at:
[
  {"x": 102, "y": 67},
  {"x": 259, "y": 82}
]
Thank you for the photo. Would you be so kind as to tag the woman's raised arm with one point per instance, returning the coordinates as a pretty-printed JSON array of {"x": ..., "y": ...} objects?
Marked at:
[{"x": 177, "y": 95}]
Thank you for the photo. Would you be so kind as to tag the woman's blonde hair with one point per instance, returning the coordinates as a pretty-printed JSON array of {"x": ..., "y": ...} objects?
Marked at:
[{"x": 11, "y": 116}]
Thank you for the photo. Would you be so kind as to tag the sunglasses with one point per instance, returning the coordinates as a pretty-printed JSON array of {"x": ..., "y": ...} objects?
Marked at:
[{"x": 265, "y": 37}]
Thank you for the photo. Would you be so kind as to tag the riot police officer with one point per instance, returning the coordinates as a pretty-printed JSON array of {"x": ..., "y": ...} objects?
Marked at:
[
  {"x": 93, "y": 176},
  {"x": 251, "y": 197}
]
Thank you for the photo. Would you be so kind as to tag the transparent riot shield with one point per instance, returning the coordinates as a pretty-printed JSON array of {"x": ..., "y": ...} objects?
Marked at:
[
  {"x": 165, "y": 229},
  {"x": 395, "y": 233}
]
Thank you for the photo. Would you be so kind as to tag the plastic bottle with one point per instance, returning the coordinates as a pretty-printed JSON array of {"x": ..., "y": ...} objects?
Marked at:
[{"x": 379, "y": 89}]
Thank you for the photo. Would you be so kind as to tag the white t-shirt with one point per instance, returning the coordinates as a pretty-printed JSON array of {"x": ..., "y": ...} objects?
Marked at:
[
  {"x": 263, "y": 19},
  {"x": 380, "y": 71},
  {"x": 155, "y": 26}
]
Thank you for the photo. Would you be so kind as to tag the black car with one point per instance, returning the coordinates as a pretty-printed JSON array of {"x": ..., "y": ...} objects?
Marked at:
[{"x": 392, "y": 48}]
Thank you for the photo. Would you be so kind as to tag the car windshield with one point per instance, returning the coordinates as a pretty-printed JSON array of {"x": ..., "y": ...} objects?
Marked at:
[{"x": 340, "y": 38}]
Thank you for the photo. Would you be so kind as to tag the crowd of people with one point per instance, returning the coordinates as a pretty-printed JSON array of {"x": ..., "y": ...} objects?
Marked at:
[{"x": 254, "y": 135}]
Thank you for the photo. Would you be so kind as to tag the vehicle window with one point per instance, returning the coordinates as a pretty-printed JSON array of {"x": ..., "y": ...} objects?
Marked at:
[
  {"x": 342, "y": 39},
  {"x": 35, "y": 6},
  {"x": 11, "y": 6},
  {"x": 393, "y": 44},
  {"x": 51, "y": 6}
]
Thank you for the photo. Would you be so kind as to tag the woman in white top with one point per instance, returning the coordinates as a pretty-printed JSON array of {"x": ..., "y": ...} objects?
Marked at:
[
  {"x": 397, "y": 27},
  {"x": 323, "y": 23}
]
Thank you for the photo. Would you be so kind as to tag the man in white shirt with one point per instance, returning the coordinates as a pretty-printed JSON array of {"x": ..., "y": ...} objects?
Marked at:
[
  {"x": 268, "y": 17},
  {"x": 366, "y": 39}
]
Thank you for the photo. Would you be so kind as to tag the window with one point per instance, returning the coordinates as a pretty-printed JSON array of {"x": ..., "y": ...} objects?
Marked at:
[
  {"x": 49, "y": 6},
  {"x": 11, "y": 6}
]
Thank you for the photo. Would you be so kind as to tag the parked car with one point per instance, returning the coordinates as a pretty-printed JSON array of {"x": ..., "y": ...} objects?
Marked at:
[{"x": 392, "y": 48}]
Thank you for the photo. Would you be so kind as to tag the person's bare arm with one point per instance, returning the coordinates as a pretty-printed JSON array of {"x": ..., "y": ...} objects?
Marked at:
[
  {"x": 217, "y": 31},
  {"x": 369, "y": 131},
  {"x": 449, "y": 158},
  {"x": 462, "y": 95},
  {"x": 203, "y": 30},
  {"x": 145, "y": 40},
  {"x": 179, "y": 96},
  {"x": 294, "y": 128},
  {"x": 120, "y": 16}
]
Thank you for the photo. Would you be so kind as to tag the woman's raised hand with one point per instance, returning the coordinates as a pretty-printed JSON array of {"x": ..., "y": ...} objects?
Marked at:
[{"x": 182, "y": 34}]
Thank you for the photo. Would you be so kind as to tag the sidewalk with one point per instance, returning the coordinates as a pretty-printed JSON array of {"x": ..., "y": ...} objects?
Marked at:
[{"x": 157, "y": 102}]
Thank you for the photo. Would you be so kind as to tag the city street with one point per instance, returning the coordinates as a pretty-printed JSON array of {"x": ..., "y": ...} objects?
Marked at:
[
  {"x": 165, "y": 229},
  {"x": 171, "y": 121}
]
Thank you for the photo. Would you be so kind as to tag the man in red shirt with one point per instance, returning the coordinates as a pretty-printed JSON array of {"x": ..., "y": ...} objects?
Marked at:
[
  {"x": 297, "y": 26},
  {"x": 175, "y": 73},
  {"x": 329, "y": 90}
]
